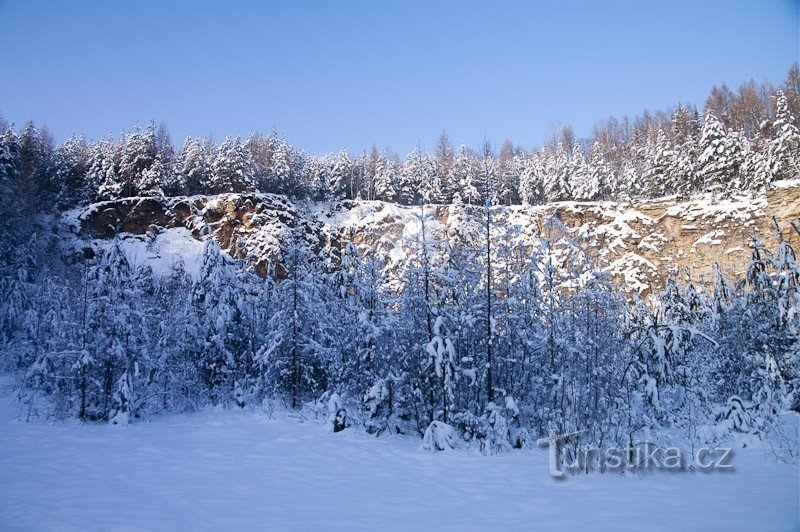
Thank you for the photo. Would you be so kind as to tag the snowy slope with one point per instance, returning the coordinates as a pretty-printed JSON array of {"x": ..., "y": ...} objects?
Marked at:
[{"x": 226, "y": 470}]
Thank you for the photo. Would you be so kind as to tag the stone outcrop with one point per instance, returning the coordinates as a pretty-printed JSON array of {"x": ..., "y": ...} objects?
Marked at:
[{"x": 638, "y": 243}]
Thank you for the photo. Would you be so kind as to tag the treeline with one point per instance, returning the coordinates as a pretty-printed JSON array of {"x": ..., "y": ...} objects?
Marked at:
[
  {"x": 743, "y": 140},
  {"x": 490, "y": 344}
]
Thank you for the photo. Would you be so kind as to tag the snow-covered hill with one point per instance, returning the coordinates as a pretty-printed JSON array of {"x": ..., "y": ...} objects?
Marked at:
[{"x": 638, "y": 243}]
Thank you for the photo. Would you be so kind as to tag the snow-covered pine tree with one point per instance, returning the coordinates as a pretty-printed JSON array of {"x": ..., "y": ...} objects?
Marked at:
[
  {"x": 443, "y": 169},
  {"x": 9, "y": 156},
  {"x": 154, "y": 178},
  {"x": 294, "y": 356},
  {"x": 102, "y": 175},
  {"x": 174, "y": 380},
  {"x": 281, "y": 171},
  {"x": 784, "y": 147},
  {"x": 508, "y": 171},
  {"x": 601, "y": 175},
  {"x": 318, "y": 181},
  {"x": 465, "y": 175},
  {"x": 720, "y": 156},
  {"x": 531, "y": 181},
  {"x": 167, "y": 171},
  {"x": 659, "y": 163},
  {"x": 409, "y": 190},
  {"x": 216, "y": 321},
  {"x": 340, "y": 176},
  {"x": 684, "y": 131},
  {"x": 195, "y": 166},
  {"x": 70, "y": 164},
  {"x": 137, "y": 157},
  {"x": 584, "y": 186},
  {"x": 231, "y": 170},
  {"x": 386, "y": 175},
  {"x": 556, "y": 174}
]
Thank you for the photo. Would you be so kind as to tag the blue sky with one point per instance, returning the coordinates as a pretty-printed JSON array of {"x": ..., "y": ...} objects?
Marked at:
[{"x": 334, "y": 74}]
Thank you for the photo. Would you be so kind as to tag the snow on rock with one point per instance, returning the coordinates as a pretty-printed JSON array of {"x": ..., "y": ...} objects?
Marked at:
[
  {"x": 160, "y": 251},
  {"x": 639, "y": 244},
  {"x": 635, "y": 270},
  {"x": 707, "y": 206},
  {"x": 713, "y": 238}
]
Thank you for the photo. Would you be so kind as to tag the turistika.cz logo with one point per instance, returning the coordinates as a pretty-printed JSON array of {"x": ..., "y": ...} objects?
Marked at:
[{"x": 564, "y": 458}]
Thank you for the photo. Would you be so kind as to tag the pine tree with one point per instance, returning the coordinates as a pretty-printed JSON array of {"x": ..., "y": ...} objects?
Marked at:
[
  {"x": 684, "y": 131},
  {"x": 195, "y": 163},
  {"x": 583, "y": 185},
  {"x": 784, "y": 148},
  {"x": 508, "y": 174},
  {"x": 294, "y": 354},
  {"x": 281, "y": 171},
  {"x": 153, "y": 180},
  {"x": 216, "y": 321},
  {"x": 138, "y": 155},
  {"x": 9, "y": 156},
  {"x": 600, "y": 173},
  {"x": 720, "y": 156},
  {"x": 167, "y": 170},
  {"x": 531, "y": 182},
  {"x": 556, "y": 175},
  {"x": 340, "y": 176},
  {"x": 465, "y": 175},
  {"x": 659, "y": 164},
  {"x": 411, "y": 183},
  {"x": 230, "y": 171},
  {"x": 386, "y": 174},
  {"x": 102, "y": 175},
  {"x": 443, "y": 171},
  {"x": 70, "y": 162}
]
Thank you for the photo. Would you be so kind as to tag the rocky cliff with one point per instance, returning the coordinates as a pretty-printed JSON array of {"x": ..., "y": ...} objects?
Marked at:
[{"x": 638, "y": 243}]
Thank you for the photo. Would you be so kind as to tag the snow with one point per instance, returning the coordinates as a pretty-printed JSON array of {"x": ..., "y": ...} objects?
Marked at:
[
  {"x": 706, "y": 206},
  {"x": 635, "y": 269},
  {"x": 228, "y": 469},
  {"x": 712, "y": 238},
  {"x": 653, "y": 242},
  {"x": 169, "y": 247},
  {"x": 787, "y": 183},
  {"x": 439, "y": 437}
]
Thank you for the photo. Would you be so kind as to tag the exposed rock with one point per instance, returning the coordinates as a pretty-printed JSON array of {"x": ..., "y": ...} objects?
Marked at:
[{"x": 640, "y": 244}]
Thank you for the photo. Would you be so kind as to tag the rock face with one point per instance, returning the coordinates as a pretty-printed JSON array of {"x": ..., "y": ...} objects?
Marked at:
[{"x": 639, "y": 244}]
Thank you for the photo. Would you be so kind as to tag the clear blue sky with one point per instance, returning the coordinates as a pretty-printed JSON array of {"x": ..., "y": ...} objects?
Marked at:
[{"x": 334, "y": 74}]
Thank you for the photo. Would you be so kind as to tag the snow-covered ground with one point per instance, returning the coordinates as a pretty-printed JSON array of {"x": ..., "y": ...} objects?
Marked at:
[{"x": 227, "y": 470}]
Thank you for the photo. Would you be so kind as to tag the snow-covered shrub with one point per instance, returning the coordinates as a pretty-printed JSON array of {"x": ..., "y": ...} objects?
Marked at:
[
  {"x": 384, "y": 402},
  {"x": 499, "y": 429},
  {"x": 379, "y": 401},
  {"x": 238, "y": 394},
  {"x": 469, "y": 427},
  {"x": 376, "y": 400},
  {"x": 495, "y": 430},
  {"x": 439, "y": 436},
  {"x": 735, "y": 416},
  {"x": 317, "y": 408},
  {"x": 123, "y": 400},
  {"x": 518, "y": 434},
  {"x": 337, "y": 414}
]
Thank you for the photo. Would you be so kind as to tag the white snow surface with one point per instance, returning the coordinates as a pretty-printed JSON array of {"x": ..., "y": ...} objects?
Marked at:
[
  {"x": 171, "y": 246},
  {"x": 159, "y": 252},
  {"x": 231, "y": 470}
]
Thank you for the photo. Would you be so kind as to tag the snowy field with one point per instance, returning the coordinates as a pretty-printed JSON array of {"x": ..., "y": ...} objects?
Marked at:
[{"x": 226, "y": 470}]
